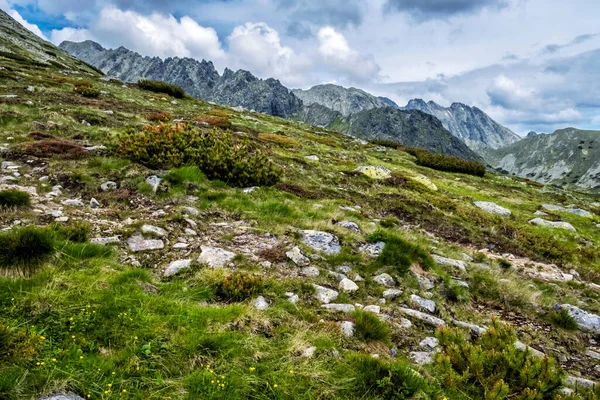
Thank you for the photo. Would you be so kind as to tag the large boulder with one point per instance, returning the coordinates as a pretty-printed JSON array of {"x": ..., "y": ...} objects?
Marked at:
[
  {"x": 375, "y": 171},
  {"x": 585, "y": 321},
  {"x": 321, "y": 241},
  {"x": 493, "y": 208},
  {"x": 552, "y": 224},
  {"x": 215, "y": 257}
]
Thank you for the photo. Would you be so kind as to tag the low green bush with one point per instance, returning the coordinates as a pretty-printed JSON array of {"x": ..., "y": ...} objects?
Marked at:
[
  {"x": 491, "y": 367},
  {"x": 86, "y": 89},
  {"x": 25, "y": 250},
  {"x": 14, "y": 198},
  {"x": 561, "y": 317},
  {"x": 162, "y": 87},
  {"x": 398, "y": 253},
  {"x": 217, "y": 154},
  {"x": 445, "y": 163},
  {"x": 239, "y": 287},
  {"x": 369, "y": 327}
]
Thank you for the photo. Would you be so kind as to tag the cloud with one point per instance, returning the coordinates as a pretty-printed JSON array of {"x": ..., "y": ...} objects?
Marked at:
[
  {"x": 337, "y": 53},
  {"x": 58, "y": 36},
  {"x": 554, "y": 48},
  {"x": 506, "y": 93},
  {"x": 434, "y": 9},
  {"x": 32, "y": 27}
]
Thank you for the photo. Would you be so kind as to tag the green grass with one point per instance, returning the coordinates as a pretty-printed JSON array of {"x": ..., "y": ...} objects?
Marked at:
[
  {"x": 25, "y": 250},
  {"x": 399, "y": 254},
  {"x": 562, "y": 319},
  {"x": 14, "y": 198},
  {"x": 369, "y": 327}
]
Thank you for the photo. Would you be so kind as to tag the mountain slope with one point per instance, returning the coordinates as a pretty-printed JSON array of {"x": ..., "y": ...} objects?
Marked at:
[
  {"x": 199, "y": 78},
  {"x": 346, "y": 101},
  {"x": 470, "y": 124},
  {"x": 567, "y": 157}
]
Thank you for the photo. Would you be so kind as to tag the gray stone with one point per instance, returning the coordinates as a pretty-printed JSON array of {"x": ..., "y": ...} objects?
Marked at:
[
  {"x": 108, "y": 185},
  {"x": 450, "y": 262},
  {"x": 585, "y": 321},
  {"x": 65, "y": 396},
  {"x": 309, "y": 352},
  {"x": 260, "y": 303},
  {"x": 593, "y": 354},
  {"x": 309, "y": 272},
  {"x": 293, "y": 298},
  {"x": 215, "y": 257},
  {"x": 94, "y": 203},
  {"x": 426, "y": 318},
  {"x": 552, "y": 224},
  {"x": 428, "y": 305},
  {"x": 522, "y": 346},
  {"x": 429, "y": 343},
  {"x": 138, "y": 243},
  {"x": 578, "y": 382},
  {"x": 180, "y": 245},
  {"x": 298, "y": 257},
  {"x": 372, "y": 308},
  {"x": 424, "y": 282},
  {"x": 153, "y": 181},
  {"x": 372, "y": 249},
  {"x": 575, "y": 211},
  {"x": 345, "y": 308},
  {"x": 106, "y": 240},
  {"x": 345, "y": 269},
  {"x": 325, "y": 295},
  {"x": 347, "y": 328},
  {"x": 391, "y": 294},
  {"x": 421, "y": 357},
  {"x": 153, "y": 230},
  {"x": 375, "y": 171},
  {"x": 321, "y": 241},
  {"x": 176, "y": 266},
  {"x": 346, "y": 285},
  {"x": 493, "y": 208},
  {"x": 191, "y": 210},
  {"x": 190, "y": 232},
  {"x": 73, "y": 203},
  {"x": 384, "y": 279},
  {"x": 312, "y": 158},
  {"x": 353, "y": 226},
  {"x": 540, "y": 213},
  {"x": 250, "y": 189}
]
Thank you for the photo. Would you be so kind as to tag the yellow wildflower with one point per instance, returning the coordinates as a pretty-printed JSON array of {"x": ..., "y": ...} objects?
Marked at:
[{"x": 275, "y": 385}]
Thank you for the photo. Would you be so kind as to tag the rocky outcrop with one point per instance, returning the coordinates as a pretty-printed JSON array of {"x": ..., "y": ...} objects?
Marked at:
[{"x": 198, "y": 78}]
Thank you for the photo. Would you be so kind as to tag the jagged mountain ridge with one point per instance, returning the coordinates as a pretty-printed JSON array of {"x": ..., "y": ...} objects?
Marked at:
[
  {"x": 470, "y": 124},
  {"x": 567, "y": 157},
  {"x": 199, "y": 78}
]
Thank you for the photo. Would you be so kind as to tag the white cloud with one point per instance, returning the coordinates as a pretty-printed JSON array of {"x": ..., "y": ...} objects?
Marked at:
[
  {"x": 71, "y": 34},
  {"x": 336, "y": 52},
  {"x": 507, "y": 93},
  {"x": 32, "y": 27}
]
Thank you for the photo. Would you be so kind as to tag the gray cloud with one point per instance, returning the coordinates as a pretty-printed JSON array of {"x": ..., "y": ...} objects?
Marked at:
[
  {"x": 553, "y": 48},
  {"x": 432, "y": 9}
]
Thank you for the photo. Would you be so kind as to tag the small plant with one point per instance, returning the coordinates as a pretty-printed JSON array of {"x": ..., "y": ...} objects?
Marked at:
[
  {"x": 442, "y": 162},
  {"x": 239, "y": 287},
  {"x": 504, "y": 264},
  {"x": 158, "y": 116},
  {"x": 560, "y": 317},
  {"x": 369, "y": 327},
  {"x": 25, "y": 250},
  {"x": 399, "y": 253},
  {"x": 273, "y": 254},
  {"x": 14, "y": 198},
  {"x": 280, "y": 140},
  {"x": 492, "y": 367},
  {"x": 86, "y": 89},
  {"x": 77, "y": 232},
  {"x": 162, "y": 87},
  {"x": 389, "y": 222},
  {"x": 215, "y": 121}
]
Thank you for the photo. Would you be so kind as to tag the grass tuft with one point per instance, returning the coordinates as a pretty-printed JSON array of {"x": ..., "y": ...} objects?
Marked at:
[
  {"x": 14, "y": 198},
  {"x": 369, "y": 327},
  {"x": 25, "y": 250}
]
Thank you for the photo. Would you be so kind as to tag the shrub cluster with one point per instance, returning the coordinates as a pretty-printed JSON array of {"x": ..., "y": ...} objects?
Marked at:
[
  {"x": 163, "y": 116},
  {"x": 239, "y": 287},
  {"x": 25, "y": 250},
  {"x": 86, "y": 89},
  {"x": 399, "y": 253},
  {"x": 491, "y": 367},
  {"x": 215, "y": 121},
  {"x": 14, "y": 198},
  {"x": 280, "y": 140},
  {"x": 162, "y": 87},
  {"x": 215, "y": 153},
  {"x": 445, "y": 163}
]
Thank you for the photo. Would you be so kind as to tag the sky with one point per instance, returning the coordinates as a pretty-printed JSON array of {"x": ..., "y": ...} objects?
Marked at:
[{"x": 529, "y": 64}]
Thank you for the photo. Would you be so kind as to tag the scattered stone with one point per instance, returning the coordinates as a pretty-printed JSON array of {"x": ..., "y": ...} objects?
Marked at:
[
  {"x": 260, "y": 303},
  {"x": 353, "y": 226},
  {"x": 358, "y": 278},
  {"x": 426, "y": 318},
  {"x": 154, "y": 181},
  {"x": 351, "y": 209},
  {"x": 373, "y": 309},
  {"x": 534, "y": 352},
  {"x": 177, "y": 266},
  {"x": 61, "y": 219},
  {"x": 375, "y": 171},
  {"x": 106, "y": 240},
  {"x": 575, "y": 211},
  {"x": 493, "y": 208},
  {"x": 30, "y": 89},
  {"x": 297, "y": 257},
  {"x": 421, "y": 357},
  {"x": 540, "y": 213},
  {"x": 250, "y": 189},
  {"x": 65, "y": 396},
  {"x": 585, "y": 321},
  {"x": 191, "y": 210},
  {"x": 425, "y": 181},
  {"x": 180, "y": 245},
  {"x": 384, "y": 279},
  {"x": 309, "y": 352},
  {"x": 73, "y": 203},
  {"x": 215, "y": 257},
  {"x": 325, "y": 295},
  {"x": 347, "y": 328},
  {"x": 345, "y": 308},
  {"x": 108, "y": 185},
  {"x": 346, "y": 285},
  {"x": 94, "y": 203},
  {"x": 321, "y": 241},
  {"x": 345, "y": 269},
  {"x": 429, "y": 343},
  {"x": 404, "y": 324},
  {"x": 428, "y": 305},
  {"x": 138, "y": 243},
  {"x": 391, "y": 294},
  {"x": 153, "y": 230},
  {"x": 593, "y": 354},
  {"x": 424, "y": 282},
  {"x": 190, "y": 232},
  {"x": 372, "y": 249},
  {"x": 552, "y": 224},
  {"x": 309, "y": 272},
  {"x": 577, "y": 382},
  {"x": 450, "y": 262},
  {"x": 312, "y": 158}
]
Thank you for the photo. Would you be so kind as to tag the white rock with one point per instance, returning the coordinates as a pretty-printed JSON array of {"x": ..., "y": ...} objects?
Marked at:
[
  {"x": 153, "y": 230},
  {"x": 424, "y": 282},
  {"x": 190, "y": 232},
  {"x": 94, "y": 203},
  {"x": 384, "y": 279},
  {"x": 429, "y": 343},
  {"x": 375, "y": 171},
  {"x": 493, "y": 208},
  {"x": 421, "y": 357},
  {"x": 450, "y": 262},
  {"x": 309, "y": 272},
  {"x": 215, "y": 257},
  {"x": 321, "y": 241},
  {"x": 346, "y": 285},
  {"x": 477, "y": 330},
  {"x": 153, "y": 181},
  {"x": 191, "y": 210},
  {"x": 293, "y": 299},
  {"x": 138, "y": 243},
  {"x": 373, "y": 308},
  {"x": 298, "y": 257},
  {"x": 325, "y": 295},
  {"x": 347, "y": 328},
  {"x": 309, "y": 352},
  {"x": 585, "y": 321},
  {"x": 65, "y": 396},
  {"x": 106, "y": 240},
  {"x": 260, "y": 303},
  {"x": 577, "y": 382},
  {"x": 312, "y": 158},
  {"x": 522, "y": 346},
  {"x": 176, "y": 266},
  {"x": 180, "y": 245},
  {"x": 428, "y": 305},
  {"x": 552, "y": 224},
  {"x": 73, "y": 203},
  {"x": 391, "y": 294},
  {"x": 250, "y": 189},
  {"x": 426, "y": 318},
  {"x": 372, "y": 249},
  {"x": 345, "y": 308},
  {"x": 108, "y": 185},
  {"x": 352, "y": 226},
  {"x": 575, "y": 211}
]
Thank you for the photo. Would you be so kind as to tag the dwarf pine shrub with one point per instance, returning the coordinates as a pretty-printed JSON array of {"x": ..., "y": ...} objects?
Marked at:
[
  {"x": 14, "y": 198},
  {"x": 491, "y": 367},
  {"x": 162, "y": 87},
  {"x": 86, "y": 89},
  {"x": 25, "y": 250},
  {"x": 445, "y": 163},
  {"x": 239, "y": 287},
  {"x": 217, "y": 154}
]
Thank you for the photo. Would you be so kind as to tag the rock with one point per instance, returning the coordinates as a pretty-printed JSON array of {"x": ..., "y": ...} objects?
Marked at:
[
  {"x": 522, "y": 346},
  {"x": 593, "y": 354},
  {"x": 109, "y": 112},
  {"x": 424, "y": 282},
  {"x": 391, "y": 294},
  {"x": 384, "y": 279},
  {"x": 65, "y": 396},
  {"x": 250, "y": 189},
  {"x": 426, "y": 318},
  {"x": 425, "y": 181},
  {"x": 345, "y": 308},
  {"x": 260, "y": 303},
  {"x": 421, "y": 357},
  {"x": 372, "y": 249},
  {"x": 428, "y": 305},
  {"x": 358, "y": 278},
  {"x": 345, "y": 269},
  {"x": 541, "y": 213},
  {"x": 215, "y": 257},
  {"x": 552, "y": 224},
  {"x": 191, "y": 211},
  {"x": 309, "y": 352},
  {"x": 298, "y": 257},
  {"x": 180, "y": 245},
  {"x": 404, "y": 324},
  {"x": 106, "y": 240},
  {"x": 153, "y": 230},
  {"x": 138, "y": 243},
  {"x": 309, "y": 272},
  {"x": 108, "y": 185},
  {"x": 292, "y": 298},
  {"x": 73, "y": 203},
  {"x": 321, "y": 241},
  {"x": 94, "y": 203},
  {"x": 325, "y": 295},
  {"x": 190, "y": 232},
  {"x": 450, "y": 262},
  {"x": 346, "y": 285},
  {"x": 353, "y": 226},
  {"x": 585, "y": 321},
  {"x": 30, "y": 89},
  {"x": 493, "y": 208},
  {"x": 347, "y": 328},
  {"x": 429, "y": 343},
  {"x": 154, "y": 181},
  {"x": 373, "y": 309},
  {"x": 375, "y": 171},
  {"x": 577, "y": 382},
  {"x": 312, "y": 158},
  {"x": 575, "y": 211},
  {"x": 176, "y": 266}
]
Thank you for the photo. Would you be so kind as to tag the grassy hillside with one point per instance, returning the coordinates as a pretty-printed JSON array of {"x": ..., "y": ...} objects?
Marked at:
[{"x": 105, "y": 322}]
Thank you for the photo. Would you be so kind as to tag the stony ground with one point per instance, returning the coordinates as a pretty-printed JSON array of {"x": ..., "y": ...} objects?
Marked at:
[{"x": 141, "y": 318}]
